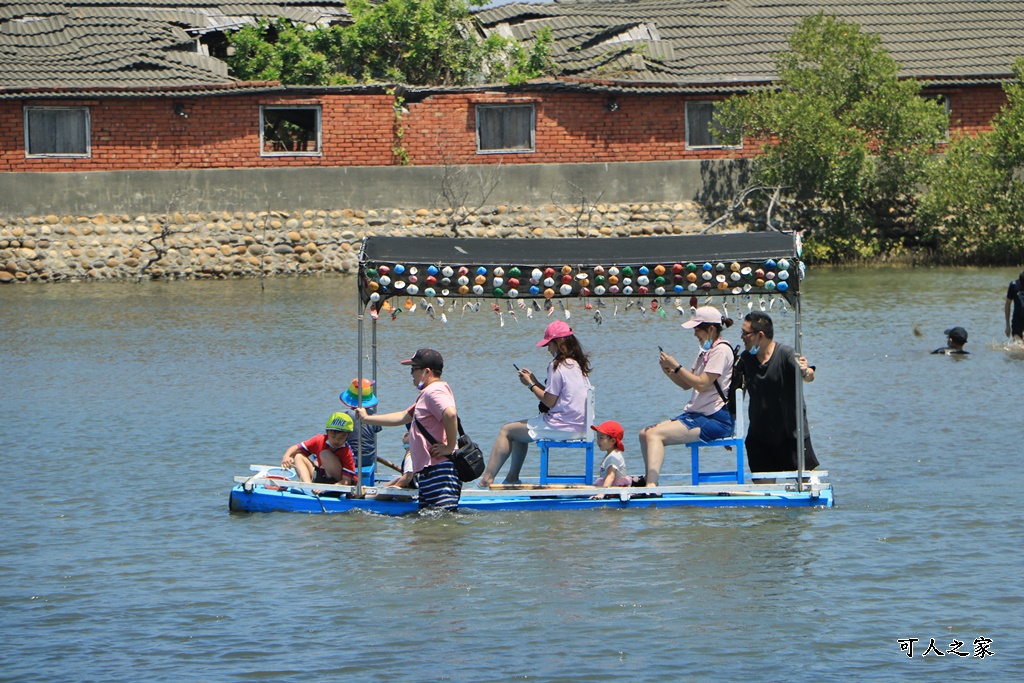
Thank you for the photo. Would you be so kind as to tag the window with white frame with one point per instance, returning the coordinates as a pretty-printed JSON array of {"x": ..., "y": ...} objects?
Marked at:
[
  {"x": 289, "y": 131},
  {"x": 505, "y": 128},
  {"x": 57, "y": 132},
  {"x": 700, "y": 129}
]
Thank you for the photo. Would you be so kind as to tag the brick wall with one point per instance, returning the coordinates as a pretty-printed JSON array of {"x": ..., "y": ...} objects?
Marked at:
[
  {"x": 570, "y": 127},
  {"x": 971, "y": 110},
  {"x": 218, "y": 132},
  {"x": 360, "y": 130}
]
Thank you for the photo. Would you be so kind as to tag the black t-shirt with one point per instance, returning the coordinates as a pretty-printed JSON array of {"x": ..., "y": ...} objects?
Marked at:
[
  {"x": 950, "y": 351},
  {"x": 771, "y": 437},
  {"x": 1016, "y": 294}
]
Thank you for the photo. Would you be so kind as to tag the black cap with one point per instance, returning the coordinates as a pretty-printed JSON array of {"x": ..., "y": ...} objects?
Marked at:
[
  {"x": 426, "y": 358},
  {"x": 957, "y": 334}
]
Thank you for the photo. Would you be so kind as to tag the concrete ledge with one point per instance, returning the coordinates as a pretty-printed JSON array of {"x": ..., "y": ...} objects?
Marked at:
[{"x": 147, "y": 192}]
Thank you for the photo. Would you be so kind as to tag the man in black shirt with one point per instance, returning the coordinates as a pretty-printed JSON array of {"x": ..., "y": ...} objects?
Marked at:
[
  {"x": 956, "y": 337},
  {"x": 769, "y": 375},
  {"x": 1015, "y": 301}
]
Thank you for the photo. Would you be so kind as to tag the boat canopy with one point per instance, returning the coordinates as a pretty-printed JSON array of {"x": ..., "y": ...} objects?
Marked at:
[
  {"x": 739, "y": 264},
  {"x": 732, "y": 264}
]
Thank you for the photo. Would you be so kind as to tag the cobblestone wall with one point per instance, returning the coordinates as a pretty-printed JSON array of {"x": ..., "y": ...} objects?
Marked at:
[{"x": 253, "y": 244}]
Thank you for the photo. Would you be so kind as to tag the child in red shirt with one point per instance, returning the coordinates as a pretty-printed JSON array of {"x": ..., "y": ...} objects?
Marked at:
[{"x": 325, "y": 458}]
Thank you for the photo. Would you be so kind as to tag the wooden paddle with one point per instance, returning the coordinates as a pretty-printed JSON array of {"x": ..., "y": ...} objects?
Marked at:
[{"x": 388, "y": 463}]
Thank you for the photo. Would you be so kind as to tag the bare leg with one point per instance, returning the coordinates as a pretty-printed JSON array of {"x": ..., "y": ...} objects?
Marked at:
[
  {"x": 331, "y": 465},
  {"x": 511, "y": 434},
  {"x": 304, "y": 468},
  {"x": 518, "y": 458},
  {"x": 653, "y": 440}
]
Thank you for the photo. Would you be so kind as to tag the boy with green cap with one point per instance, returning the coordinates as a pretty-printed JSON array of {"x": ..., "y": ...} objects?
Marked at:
[{"x": 325, "y": 458}]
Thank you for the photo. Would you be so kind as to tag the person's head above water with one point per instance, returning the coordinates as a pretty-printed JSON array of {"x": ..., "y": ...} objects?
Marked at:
[{"x": 957, "y": 336}]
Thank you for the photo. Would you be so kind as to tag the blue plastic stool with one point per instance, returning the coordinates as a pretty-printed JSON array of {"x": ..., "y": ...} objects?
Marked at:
[
  {"x": 728, "y": 475},
  {"x": 586, "y": 478}
]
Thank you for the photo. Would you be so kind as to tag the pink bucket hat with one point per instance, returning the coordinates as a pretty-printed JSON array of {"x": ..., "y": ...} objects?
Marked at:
[
  {"x": 555, "y": 330},
  {"x": 704, "y": 314}
]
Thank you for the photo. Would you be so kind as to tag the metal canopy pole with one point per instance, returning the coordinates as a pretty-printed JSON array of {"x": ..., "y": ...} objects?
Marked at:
[
  {"x": 799, "y": 399},
  {"x": 359, "y": 398},
  {"x": 373, "y": 356},
  {"x": 373, "y": 371}
]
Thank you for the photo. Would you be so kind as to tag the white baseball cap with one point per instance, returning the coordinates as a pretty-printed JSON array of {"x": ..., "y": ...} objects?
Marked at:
[{"x": 704, "y": 314}]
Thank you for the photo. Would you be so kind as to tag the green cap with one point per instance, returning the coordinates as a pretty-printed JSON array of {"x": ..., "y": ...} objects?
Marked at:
[{"x": 340, "y": 422}]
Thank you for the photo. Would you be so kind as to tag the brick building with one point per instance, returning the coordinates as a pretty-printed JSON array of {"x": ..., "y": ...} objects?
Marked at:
[{"x": 90, "y": 86}]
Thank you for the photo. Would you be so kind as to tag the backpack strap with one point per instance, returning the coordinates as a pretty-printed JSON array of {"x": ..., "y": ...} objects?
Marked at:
[
  {"x": 718, "y": 387},
  {"x": 429, "y": 436}
]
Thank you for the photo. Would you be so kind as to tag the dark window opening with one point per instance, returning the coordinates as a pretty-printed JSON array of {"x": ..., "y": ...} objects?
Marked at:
[
  {"x": 700, "y": 125},
  {"x": 291, "y": 130}
]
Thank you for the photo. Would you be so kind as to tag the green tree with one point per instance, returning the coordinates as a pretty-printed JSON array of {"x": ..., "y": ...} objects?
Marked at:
[
  {"x": 840, "y": 131},
  {"x": 418, "y": 42},
  {"x": 279, "y": 51},
  {"x": 975, "y": 204},
  {"x": 508, "y": 60},
  {"x": 414, "y": 42}
]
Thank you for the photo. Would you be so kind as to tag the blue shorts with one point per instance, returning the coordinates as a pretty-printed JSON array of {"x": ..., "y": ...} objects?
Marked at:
[
  {"x": 439, "y": 487},
  {"x": 718, "y": 425}
]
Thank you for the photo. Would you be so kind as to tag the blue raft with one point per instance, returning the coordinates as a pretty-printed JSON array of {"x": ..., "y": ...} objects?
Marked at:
[{"x": 262, "y": 494}]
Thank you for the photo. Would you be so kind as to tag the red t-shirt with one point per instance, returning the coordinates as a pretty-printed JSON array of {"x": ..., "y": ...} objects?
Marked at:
[{"x": 318, "y": 444}]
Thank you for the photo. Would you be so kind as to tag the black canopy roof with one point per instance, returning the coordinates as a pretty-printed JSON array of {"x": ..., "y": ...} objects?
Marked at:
[{"x": 584, "y": 251}]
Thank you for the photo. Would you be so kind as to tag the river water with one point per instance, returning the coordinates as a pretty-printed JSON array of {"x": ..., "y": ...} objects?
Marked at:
[{"x": 128, "y": 408}]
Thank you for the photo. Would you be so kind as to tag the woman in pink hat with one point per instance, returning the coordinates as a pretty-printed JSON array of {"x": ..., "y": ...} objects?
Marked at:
[
  {"x": 706, "y": 416},
  {"x": 563, "y": 401}
]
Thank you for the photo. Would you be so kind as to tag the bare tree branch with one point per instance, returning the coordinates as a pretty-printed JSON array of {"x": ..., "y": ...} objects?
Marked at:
[
  {"x": 738, "y": 201},
  {"x": 581, "y": 213},
  {"x": 159, "y": 243},
  {"x": 458, "y": 184}
]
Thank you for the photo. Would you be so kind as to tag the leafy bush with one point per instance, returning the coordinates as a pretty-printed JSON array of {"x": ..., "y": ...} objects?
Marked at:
[
  {"x": 974, "y": 209},
  {"x": 840, "y": 130}
]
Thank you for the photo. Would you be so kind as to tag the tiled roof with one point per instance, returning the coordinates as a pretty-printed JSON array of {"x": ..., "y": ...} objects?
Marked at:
[
  {"x": 719, "y": 41},
  {"x": 695, "y": 45},
  {"x": 77, "y": 44}
]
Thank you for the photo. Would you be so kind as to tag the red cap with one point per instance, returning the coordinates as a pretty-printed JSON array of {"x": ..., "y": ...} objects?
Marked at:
[{"x": 612, "y": 429}]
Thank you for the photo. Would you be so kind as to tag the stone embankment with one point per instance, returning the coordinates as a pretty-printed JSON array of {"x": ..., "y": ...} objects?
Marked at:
[{"x": 221, "y": 245}]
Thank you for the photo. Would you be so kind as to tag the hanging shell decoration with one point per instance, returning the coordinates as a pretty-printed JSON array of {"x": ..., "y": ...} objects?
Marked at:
[{"x": 383, "y": 280}]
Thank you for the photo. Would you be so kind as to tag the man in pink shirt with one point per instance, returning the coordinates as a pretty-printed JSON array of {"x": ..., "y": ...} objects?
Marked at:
[{"x": 434, "y": 434}]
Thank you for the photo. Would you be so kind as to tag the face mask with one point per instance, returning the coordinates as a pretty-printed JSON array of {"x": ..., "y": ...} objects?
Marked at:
[
  {"x": 754, "y": 350},
  {"x": 706, "y": 344},
  {"x": 420, "y": 385}
]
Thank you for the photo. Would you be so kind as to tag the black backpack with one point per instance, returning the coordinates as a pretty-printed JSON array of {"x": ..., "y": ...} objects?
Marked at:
[{"x": 735, "y": 384}]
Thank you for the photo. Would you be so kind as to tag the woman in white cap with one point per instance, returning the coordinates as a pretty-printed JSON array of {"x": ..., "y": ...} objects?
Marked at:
[
  {"x": 563, "y": 397},
  {"x": 706, "y": 416}
]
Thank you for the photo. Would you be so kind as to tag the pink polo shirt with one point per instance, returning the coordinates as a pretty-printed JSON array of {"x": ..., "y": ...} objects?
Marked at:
[{"x": 430, "y": 405}]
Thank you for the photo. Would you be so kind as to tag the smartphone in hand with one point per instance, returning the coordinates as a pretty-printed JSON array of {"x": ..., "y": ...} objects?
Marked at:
[{"x": 516, "y": 367}]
